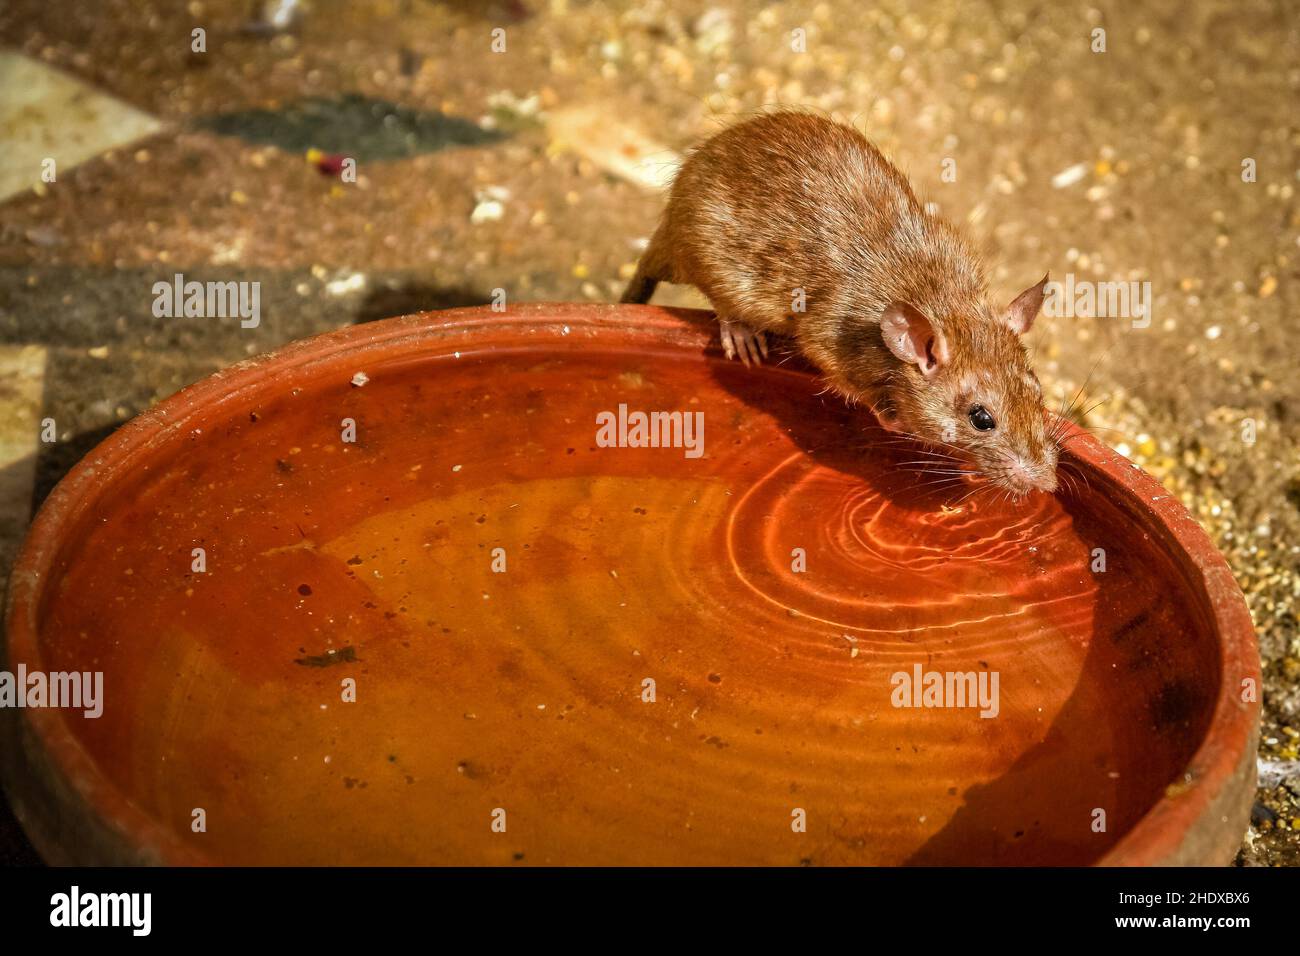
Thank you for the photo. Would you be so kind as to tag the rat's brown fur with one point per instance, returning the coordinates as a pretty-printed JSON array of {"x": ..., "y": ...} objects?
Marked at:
[{"x": 791, "y": 201}]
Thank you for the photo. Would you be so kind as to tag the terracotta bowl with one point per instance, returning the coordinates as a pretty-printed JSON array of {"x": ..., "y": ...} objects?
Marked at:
[{"x": 562, "y": 652}]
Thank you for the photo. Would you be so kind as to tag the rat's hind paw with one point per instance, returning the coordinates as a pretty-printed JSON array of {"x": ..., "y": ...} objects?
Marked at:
[{"x": 740, "y": 341}]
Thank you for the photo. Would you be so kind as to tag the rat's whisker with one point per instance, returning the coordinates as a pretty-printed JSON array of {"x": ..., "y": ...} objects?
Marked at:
[
  {"x": 1078, "y": 472},
  {"x": 982, "y": 486},
  {"x": 1091, "y": 373},
  {"x": 934, "y": 455},
  {"x": 945, "y": 475},
  {"x": 942, "y": 483},
  {"x": 921, "y": 461}
]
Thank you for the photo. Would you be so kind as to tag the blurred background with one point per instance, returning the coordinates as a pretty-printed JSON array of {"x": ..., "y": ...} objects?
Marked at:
[{"x": 524, "y": 145}]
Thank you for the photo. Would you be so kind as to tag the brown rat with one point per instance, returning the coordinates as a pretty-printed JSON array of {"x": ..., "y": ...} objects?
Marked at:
[{"x": 793, "y": 224}]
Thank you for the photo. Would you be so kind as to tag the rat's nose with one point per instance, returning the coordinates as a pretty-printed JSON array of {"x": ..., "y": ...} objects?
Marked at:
[{"x": 1028, "y": 477}]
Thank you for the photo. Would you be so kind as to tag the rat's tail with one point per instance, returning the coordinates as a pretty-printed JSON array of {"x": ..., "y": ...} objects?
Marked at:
[
  {"x": 655, "y": 264},
  {"x": 640, "y": 288}
]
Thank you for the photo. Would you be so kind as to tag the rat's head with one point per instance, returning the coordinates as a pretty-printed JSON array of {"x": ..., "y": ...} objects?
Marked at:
[{"x": 966, "y": 384}]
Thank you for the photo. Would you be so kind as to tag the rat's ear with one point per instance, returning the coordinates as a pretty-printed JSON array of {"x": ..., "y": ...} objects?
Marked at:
[
  {"x": 1022, "y": 312},
  {"x": 912, "y": 337}
]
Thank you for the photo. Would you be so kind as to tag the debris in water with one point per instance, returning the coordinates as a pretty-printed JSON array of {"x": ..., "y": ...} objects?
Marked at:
[{"x": 329, "y": 658}]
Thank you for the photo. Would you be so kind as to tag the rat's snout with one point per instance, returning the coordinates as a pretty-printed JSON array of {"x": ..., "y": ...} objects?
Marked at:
[
  {"x": 1046, "y": 482},
  {"x": 1026, "y": 476}
]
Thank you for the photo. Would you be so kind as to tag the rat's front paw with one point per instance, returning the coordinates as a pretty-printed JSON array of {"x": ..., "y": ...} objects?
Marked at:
[{"x": 740, "y": 341}]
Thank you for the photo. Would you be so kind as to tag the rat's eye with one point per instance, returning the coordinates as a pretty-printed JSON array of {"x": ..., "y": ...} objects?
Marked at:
[{"x": 981, "y": 419}]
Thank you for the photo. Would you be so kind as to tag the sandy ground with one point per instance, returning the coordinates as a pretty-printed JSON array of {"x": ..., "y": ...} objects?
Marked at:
[{"x": 1119, "y": 165}]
